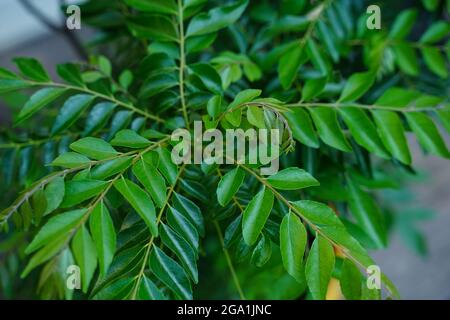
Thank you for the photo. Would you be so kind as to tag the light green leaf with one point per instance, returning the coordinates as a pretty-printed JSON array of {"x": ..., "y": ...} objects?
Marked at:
[
  {"x": 140, "y": 201},
  {"x": 406, "y": 58},
  {"x": 289, "y": 65},
  {"x": 166, "y": 166},
  {"x": 214, "y": 106},
  {"x": 302, "y": 127},
  {"x": 367, "y": 214},
  {"x": 54, "y": 194},
  {"x": 328, "y": 128},
  {"x": 32, "y": 69},
  {"x": 403, "y": 24},
  {"x": 313, "y": 88},
  {"x": 292, "y": 245},
  {"x": 229, "y": 185},
  {"x": 130, "y": 139},
  {"x": 436, "y": 32},
  {"x": 350, "y": 280},
  {"x": 153, "y": 26},
  {"x": 104, "y": 235},
  {"x": 244, "y": 97},
  {"x": 78, "y": 191},
  {"x": 216, "y": 19},
  {"x": 255, "y": 116},
  {"x": 292, "y": 179},
  {"x": 435, "y": 61},
  {"x": 392, "y": 134},
  {"x": 357, "y": 85},
  {"x": 109, "y": 168},
  {"x": 319, "y": 267},
  {"x": 427, "y": 134},
  {"x": 363, "y": 130},
  {"x": 85, "y": 255},
  {"x": 38, "y": 101},
  {"x": 57, "y": 226},
  {"x": 170, "y": 273},
  {"x": 152, "y": 180},
  {"x": 255, "y": 215},
  {"x": 70, "y": 160},
  {"x": 94, "y": 148},
  {"x": 71, "y": 111}
]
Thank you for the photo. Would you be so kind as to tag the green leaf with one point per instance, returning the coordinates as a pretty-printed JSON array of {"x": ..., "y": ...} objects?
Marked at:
[
  {"x": 229, "y": 185},
  {"x": 109, "y": 168},
  {"x": 292, "y": 179},
  {"x": 85, "y": 255},
  {"x": 126, "y": 79},
  {"x": 317, "y": 57},
  {"x": 149, "y": 291},
  {"x": 182, "y": 249},
  {"x": 313, "y": 88},
  {"x": 328, "y": 128},
  {"x": 262, "y": 252},
  {"x": 255, "y": 215},
  {"x": 214, "y": 106},
  {"x": 244, "y": 97},
  {"x": 216, "y": 19},
  {"x": 392, "y": 134},
  {"x": 435, "y": 61},
  {"x": 72, "y": 109},
  {"x": 367, "y": 214},
  {"x": 292, "y": 245},
  {"x": 363, "y": 130},
  {"x": 350, "y": 280},
  {"x": 54, "y": 194},
  {"x": 104, "y": 235},
  {"x": 7, "y": 85},
  {"x": 406, "y": 58},
  {"x": 32, "y": 69},
  {"x": 319, "y": 267},
  {"x": 444, "y": 116},
  {"x": 78, "y": 191},
  {"x": 302, "y": 127},
  {"x": 154, "y": 6},
  {"x": 183, "y": 227},
  {"x": 51, "y": 248},
  {"x": 357, "y": 85},
  {"x": 290, "y": 64},
  {"x": 153, "y": 26},
  {"x": 152, "y": 180},
  {"x": 98, "y": 117},
  {"x": 199, "y": 43},
  {"x": 140, "y": 201},
  {"x": 70, "y": 73},
  {"x": 403, "y": 24},
  {"x": 105, "y": 65},
  {"x": 427, "y": 134},
  {"x": 170, "y": 273},
  {"x": 56, "y": 227},
  {"x": 191, "y": 211},
  {"x": 208, "y": 76},
  {"x": 38, "y": 101},
  {"x": 129, "y": 139},
  {"x": 70, "y": 160},
  {"x": 166, "y": 166},
  {"x": 436, "y": 32},
  {"x": 94, "y": 148},
  {"x": 255, "y": 115}
]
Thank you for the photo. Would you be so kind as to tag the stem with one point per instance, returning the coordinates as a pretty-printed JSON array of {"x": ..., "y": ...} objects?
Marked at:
[
  {"x": 182, "y": 63},
  {"x": 99, "y": 95},
  {"x": 229, "y": 262}
]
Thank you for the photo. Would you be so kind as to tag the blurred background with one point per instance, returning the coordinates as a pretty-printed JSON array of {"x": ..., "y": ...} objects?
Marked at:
[{"x": 27, "y": 32}]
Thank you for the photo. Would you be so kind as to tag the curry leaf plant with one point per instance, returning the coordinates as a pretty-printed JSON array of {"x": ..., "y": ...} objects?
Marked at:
[{"x": 90, "y": 188}]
